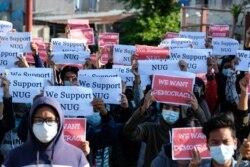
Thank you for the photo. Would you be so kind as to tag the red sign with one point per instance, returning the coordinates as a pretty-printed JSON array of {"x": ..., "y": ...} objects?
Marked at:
[
  {"x": 171, "y": 89},
  {"x": 75, "y": 131},
  {"x": 185, "y": 139},
  {"x": 41, "y": 50},
  {"x": 105, "y": 52},
  {"x": 170, "y": 35},
  {"x": 218, "y": 31},
  {"x": 78, "y": 23},
  {"x": 83, "y": 33},
  {"x": 108, "y": 39},
  {"x": 144, "y": 52}
]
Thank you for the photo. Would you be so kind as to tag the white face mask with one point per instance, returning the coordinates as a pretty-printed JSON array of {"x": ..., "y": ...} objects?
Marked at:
[
  {"x": 44, "y": 132},
  {"x": 170, "y": 116},
  {"x": 222, "y": 153}
]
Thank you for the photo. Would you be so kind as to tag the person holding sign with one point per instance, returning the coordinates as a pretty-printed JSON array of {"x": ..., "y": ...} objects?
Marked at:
[
  {"x": 69, "y": 75},
  {"x": 45, "y": 144}
]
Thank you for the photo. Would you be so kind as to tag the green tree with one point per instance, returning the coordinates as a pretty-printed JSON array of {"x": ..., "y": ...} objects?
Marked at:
[{"x": 153, "y": 19}]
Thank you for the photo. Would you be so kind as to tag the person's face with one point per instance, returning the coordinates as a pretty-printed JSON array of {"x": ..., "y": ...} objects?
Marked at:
[
  {"x": 221, "y": 136},
  {"x": 70, "y": 77},
  {"x": 171, "y": 107},
  {"x": 45, "y": 114}
]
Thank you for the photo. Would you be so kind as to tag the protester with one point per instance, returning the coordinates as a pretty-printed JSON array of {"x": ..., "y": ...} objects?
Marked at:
[{"x": 45, "y": 144}]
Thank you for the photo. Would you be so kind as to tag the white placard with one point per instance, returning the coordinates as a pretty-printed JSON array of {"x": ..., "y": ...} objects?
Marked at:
[
  {"x": 196, "y": 59},
  {"x": 224, "y": 46},
  {"x": 74, "y": 100},
  {"x": 67, "y": 45},
  {"x": 45, "y": 73},
  {"x": 149, "y": 67},
  {"x": 24, "y": 89},
  {"x": 5, "y": 26},
  {"x": 107, "y": 88},
  {"x": 176, "y": 43},
  {"x": 70, "y": 57},
  {"x": 98, "y": 73},
  {"x": 244, "y": 60},
  {"x": 18, "y": 41},
  {"x": 198, "y": 38},
  {"x": 122, "y": 54},
  {"x": 8, "y": 57},
  {"x": 125, "y": 73}
]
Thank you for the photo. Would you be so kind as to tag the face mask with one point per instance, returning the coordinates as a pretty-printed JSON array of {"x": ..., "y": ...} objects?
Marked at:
[
  {"x": 44, "y": 132},
  {"x": 94, "y": 119},
  {"x": 67, "y": 83},
  {"x": 221, "y": 154},
  {"x": 227, "y": 72},
  {"x": 169, "y": 116}
]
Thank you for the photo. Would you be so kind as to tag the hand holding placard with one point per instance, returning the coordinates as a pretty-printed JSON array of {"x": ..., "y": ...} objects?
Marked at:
[
  {"x": 193, "y": 101},
  {"x": 99, "y": 106}
]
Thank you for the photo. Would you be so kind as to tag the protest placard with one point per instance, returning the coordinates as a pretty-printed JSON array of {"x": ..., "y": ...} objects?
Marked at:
[
  {"x": 144, "y": 52},
  {"x": 105, "y": 53},
  {"x": 98, "y": 73},
  {"x": 67, "y": 45},
  {"x": 243, "y": 59},
  {"x": 23, "y": 88},
  {"x": 70, "y": 57},
  {"x": 74, "y": 100},
  {"x": 125, "y": 73},
  {"x": 75, "y": 131},
  {"x": 78, "y": 23},
  {"x": 108, "y": 38},
  {"x": 5, "y": 26},
  {"x": 109, "y": 89},
  {"x": 173, "y": 87},
  {"x": 8, "y": 57},
  {"x": 18, "y": 41},
  {"x": 150, "y": 67},
  {"x": 218, "y": 31},
  {"x": 198, "y": 38},
  {"x": 83, "y": 33},
  {"x": 45, "y": 73},
  {"x": 184, "y": 140},
  {"x": 224, "y": 46},
  {"x": 177, "y": 43},
  {"x": 122, "y": 54},
  {"x": 170, "y": 35},
  {"x": 196, "y": 59}
]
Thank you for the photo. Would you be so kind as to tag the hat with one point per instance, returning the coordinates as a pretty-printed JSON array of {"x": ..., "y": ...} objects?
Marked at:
[{"x": 68, "y": 69}]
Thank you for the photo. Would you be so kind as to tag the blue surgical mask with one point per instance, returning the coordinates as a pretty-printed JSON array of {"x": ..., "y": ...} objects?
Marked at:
[
  {"x": 94, "y": 119},
  {"x": 227, "y": 72},
  {"x": 222, "y": 153},
  {"x": 170, "y": 116},
  {"x": 67, "y": 83}
]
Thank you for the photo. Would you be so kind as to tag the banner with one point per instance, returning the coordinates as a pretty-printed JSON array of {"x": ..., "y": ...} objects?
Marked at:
[
  {"x": 109, "y": 89},
  {"x": 125, "y": 73},
  {"x": 67, "y": 45},
  {"x": 185, "y": 139},
  {"x": 224, "y": 46},
  {"x": 198, "y": 38},
  {"x": 78, "y": 23},
  {"x": 196, "y": 59},
  {"x": 18, "y": 41},
  {"x": 150, "y": 67},
  {"x": 44, "y": 73},
  {"x": 176, "y": 43},
  {"x": 144, "y": 52},
  {"x": 243, "y": 59},
  {"x": 108, "y": 38},
  {"x": 83, "y": 33},
  {"x": 75, "y": 131},
  {"x": 5, "y": 26},
  {"x": 70, "y": 57},
  {"x": 8, "y": 57},
  {"x": 218, "y": 31},
  {"x": 24, "y": 89},
  {"x": 173, "y": 87},
  {"x": 122, "y": 54},
  {"x": 170, "y": 35},
  {"x": 75, "y": 100}
]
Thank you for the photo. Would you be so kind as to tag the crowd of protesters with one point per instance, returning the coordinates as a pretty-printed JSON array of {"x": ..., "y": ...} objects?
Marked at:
[{"x": 138, "y": 131}]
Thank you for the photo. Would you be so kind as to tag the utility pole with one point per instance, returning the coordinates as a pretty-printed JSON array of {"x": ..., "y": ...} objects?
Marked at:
[{"x": 28, "y": 16}]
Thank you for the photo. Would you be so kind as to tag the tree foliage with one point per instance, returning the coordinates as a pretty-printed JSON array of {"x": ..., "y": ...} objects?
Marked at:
[{"x": 153, "y": 19}]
